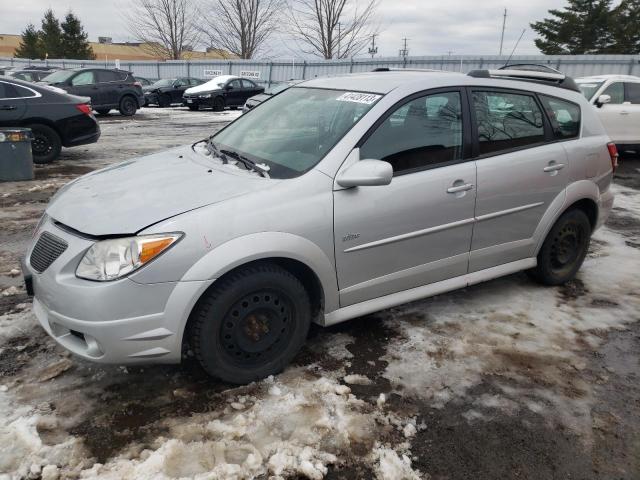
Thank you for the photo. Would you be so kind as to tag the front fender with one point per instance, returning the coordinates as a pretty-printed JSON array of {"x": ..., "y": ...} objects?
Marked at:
[{"x": 263, "y": 245}]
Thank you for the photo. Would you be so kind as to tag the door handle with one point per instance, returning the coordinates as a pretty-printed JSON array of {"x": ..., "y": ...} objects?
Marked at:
[
  {"x": 460, "y": 188},
  {"x": 7, "y": 107},
  {"x": 553, "y": 167},
  {"x": 624, "y": 112}
]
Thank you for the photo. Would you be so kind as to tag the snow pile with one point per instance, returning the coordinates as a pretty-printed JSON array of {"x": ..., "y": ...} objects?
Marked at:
[
  {"x": 293, "y": 430},
  {"x": 391, "y": 466}
]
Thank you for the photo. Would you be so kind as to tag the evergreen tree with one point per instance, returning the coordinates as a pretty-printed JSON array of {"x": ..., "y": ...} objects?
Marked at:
[
  {"x": 30, "y": 44},
  {"x": 51, "y": 36},
  {"x": 74, "y": 39},
  {"x": 582, "y": 27},
  {"x": 626, "y": 27}
]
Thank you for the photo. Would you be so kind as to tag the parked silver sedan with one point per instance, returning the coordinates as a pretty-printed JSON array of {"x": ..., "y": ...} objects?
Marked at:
[{"x": 337, "y": 198}]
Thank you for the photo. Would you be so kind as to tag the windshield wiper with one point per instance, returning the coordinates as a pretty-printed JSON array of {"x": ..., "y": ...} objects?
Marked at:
[{"x": 247, "y": 162}]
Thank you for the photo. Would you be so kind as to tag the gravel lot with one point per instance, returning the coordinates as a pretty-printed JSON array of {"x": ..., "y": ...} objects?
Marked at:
[{"x": 502, "y": 380}]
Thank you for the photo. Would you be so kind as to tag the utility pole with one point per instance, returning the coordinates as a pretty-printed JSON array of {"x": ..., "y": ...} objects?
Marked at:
[
  {"x": 373, "y": 49},
  {"x": 404, "y": 51},
  {"x": 504, "y": 24}
]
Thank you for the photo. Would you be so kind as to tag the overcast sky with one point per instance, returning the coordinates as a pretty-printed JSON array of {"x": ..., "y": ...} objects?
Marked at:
[{"x": 433, "y": 27}]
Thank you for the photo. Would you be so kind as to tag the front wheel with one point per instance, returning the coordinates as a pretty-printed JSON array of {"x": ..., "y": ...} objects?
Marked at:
[
  {"x": 128, "y": 106},
  {"x": 564, "y": 249},
  {"x": 218, "y": 104},
  {"x": 251, "y": 324},
  {"x": 164, "y": 100}
]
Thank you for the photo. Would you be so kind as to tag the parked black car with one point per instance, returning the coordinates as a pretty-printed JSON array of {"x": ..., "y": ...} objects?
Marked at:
[
  {"x": 221, "y": 92},
  {"x": 57, "y": 119},
  {"x": 107, "y": 88},
  {"x": 168, "y": 91},
  {"x": 30, "y": 75},
  {"x": 267, "y": 94}
]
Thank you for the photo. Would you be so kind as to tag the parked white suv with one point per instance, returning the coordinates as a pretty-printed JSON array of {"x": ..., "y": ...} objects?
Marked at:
[{"x": 617, "y": 99}]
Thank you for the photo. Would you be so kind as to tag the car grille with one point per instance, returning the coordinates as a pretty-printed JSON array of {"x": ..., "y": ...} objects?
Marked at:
[{"x": 47, "y": 249}]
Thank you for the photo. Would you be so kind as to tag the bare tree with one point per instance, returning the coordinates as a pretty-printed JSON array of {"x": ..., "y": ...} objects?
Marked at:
[
  {"x": 241, "y": 27},
  {"x": 166, "y": 27},
  {"x": 333, "y": 28}
]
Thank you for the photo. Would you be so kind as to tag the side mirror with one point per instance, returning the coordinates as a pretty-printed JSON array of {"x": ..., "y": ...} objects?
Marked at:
[
  {"x": 602, "y": 100},
  {"x": 366, "y": 173},
  {"x": 229, "y": 87}
]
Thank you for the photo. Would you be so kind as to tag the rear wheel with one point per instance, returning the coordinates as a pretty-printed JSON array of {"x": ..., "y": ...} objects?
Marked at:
[
  {"x": 564, "y": 249},
  {"x": 164, "y": 100},
  {"x": 128, "y": 106},
  {"x": 103, "y": 111},
  {"x": 193, "y": 107},
  {"x": 46, "y": 144},
  {"x": 218, "y": 104},
  {"x": 251, "y": 324}
]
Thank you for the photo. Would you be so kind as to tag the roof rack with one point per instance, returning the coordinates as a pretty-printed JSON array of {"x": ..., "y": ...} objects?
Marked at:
[{"x": 548, "y": 77}]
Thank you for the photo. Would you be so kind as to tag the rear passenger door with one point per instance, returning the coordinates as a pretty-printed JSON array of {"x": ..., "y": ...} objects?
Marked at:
[
  {"x": 110, "y": 85},
  {"x": 520, "y": 171},
  {"x": 249, "y": 89},
  {"x": 234, "y": 95},
  {"x": 416, "y": 230},
  {"x": 84, "y": 84},
  {"x": 631, "y": 110},
  {"x": 12, "y": 103}
]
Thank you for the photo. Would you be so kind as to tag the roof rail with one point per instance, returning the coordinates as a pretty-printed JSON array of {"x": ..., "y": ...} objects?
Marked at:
[{"x": 553, "y": 78}]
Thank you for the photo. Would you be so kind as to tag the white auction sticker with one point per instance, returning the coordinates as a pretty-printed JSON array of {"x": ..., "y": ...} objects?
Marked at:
[{"x": 366, "y": 98}]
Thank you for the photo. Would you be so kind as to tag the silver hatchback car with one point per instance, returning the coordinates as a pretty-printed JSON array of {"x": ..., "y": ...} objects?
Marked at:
[{"x": 333, "y": 199}]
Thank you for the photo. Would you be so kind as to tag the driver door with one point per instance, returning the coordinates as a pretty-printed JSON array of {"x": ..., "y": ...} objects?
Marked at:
[{"x": 416, "y": 230}]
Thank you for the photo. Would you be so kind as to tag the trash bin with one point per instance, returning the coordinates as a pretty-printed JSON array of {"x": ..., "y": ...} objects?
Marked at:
[{"x": 16, "y": 161}]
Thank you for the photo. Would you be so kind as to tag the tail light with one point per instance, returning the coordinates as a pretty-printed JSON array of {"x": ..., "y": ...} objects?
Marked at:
[
  {"x": 84, "y": 108},
  {"x": 613, "y": 153},
  {"x": 137, "y": 84}
]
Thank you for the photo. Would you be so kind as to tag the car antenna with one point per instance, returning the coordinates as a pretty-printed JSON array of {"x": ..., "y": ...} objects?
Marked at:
[{"x": 514, "y": 48}]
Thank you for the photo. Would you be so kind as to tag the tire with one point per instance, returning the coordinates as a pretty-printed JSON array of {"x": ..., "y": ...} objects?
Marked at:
[
  {"x": 564, "y": 249},
  {"x": 103, "y": 111},
  {"x": 193, "y": 108},
  {"x": 46, "y": 145},
  {"x": 128, "y": 106},
  {"x": 164, "y": 100},
  {"x": 218, "y": 104},
  {"x": 251, "y": 324}
]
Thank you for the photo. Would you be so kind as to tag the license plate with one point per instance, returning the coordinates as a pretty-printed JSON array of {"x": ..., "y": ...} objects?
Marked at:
[{"x": 189, "y": 100}]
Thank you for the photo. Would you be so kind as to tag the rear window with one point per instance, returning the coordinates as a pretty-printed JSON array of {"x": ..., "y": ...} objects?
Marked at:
[
  {"x": 564, "y": 116},
  {"x": 507, "y": 121},
  {"x": 108, "y": 76}
]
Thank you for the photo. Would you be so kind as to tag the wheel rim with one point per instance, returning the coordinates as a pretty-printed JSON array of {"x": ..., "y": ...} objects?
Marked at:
[
  {"x": 128, "y": 106},
  {"x": 567, "y": 246},
  {"x": 41, "y": 145},
  {"x": 218, "y": 103},
  {"x": 257, "y": 327}
]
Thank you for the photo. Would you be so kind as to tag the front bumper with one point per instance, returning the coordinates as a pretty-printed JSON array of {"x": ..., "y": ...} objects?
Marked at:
[
  {"x": 121, "y": 322},
  {"x": 197, "y": 102},
  {"x": 150, "y": 99}
]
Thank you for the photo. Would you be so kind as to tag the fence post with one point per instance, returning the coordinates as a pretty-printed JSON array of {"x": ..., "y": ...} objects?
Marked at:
[
  {"x": 304, "y": 69},
  {"x": 230, "y": 66},
  {"x": 188, "y": 68},
  {"x": 158, "y": 69},
  {"x": 351, "y": 65},
  {"x": 558, "y": 64},
  {"x": 481, "y": 63},
  {"x": 270, "y": 70},
  {"x": 632, "y": 63}
]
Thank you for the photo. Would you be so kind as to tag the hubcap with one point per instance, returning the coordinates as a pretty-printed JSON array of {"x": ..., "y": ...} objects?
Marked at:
[
  {"x": 257, "y": 327},
  {"x": 567, "y": 246}
]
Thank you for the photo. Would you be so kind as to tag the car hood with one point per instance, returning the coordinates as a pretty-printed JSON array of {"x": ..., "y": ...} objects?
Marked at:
[
  {"x": 149, "y": 88},
  {"x": 205, "y": 87},
  {"x": 127, "y": 197}
]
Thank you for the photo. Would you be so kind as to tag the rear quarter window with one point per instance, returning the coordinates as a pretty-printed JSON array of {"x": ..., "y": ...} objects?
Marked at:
[
  {"x": 565, "y": 117},
  {"x": 633, "y": 92},
  {"x": 7, "y": 91}
]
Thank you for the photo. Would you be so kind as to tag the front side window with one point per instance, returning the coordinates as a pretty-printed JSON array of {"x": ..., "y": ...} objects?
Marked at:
[
  {"x": 564, "y": 116},
  {"x": 84, "y": 78},
  {"x": 235, "y": 84},
  {"x": 420, "y": 134},
  {"x": 633, "y": 92},
  {"x": 506, "y": 121},
  {"x": 60, "y": 76},
  {"x": 293, "y": 131},
  {"x": 616, "y": 92}
]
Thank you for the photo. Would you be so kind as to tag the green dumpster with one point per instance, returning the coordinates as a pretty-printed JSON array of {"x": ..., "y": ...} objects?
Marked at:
[{"x": 16, "y": 161}]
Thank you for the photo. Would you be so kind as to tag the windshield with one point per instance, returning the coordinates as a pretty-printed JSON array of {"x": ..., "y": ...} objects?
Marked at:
[
  {"x": 589, "y": 89},
  {"x": 165, "y": 82},
  {"x": 59, "y": 76},
  {"x": 293, "y": 131}
]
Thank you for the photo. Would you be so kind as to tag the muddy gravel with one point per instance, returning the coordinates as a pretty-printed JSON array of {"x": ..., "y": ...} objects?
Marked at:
[{"x": 501, "y": 380}]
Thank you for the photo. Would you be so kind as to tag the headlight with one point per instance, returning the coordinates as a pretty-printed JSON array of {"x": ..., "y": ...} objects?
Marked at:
[
  {"x": 208, "y": 95},
  {"x": 113, "y": 259}
]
